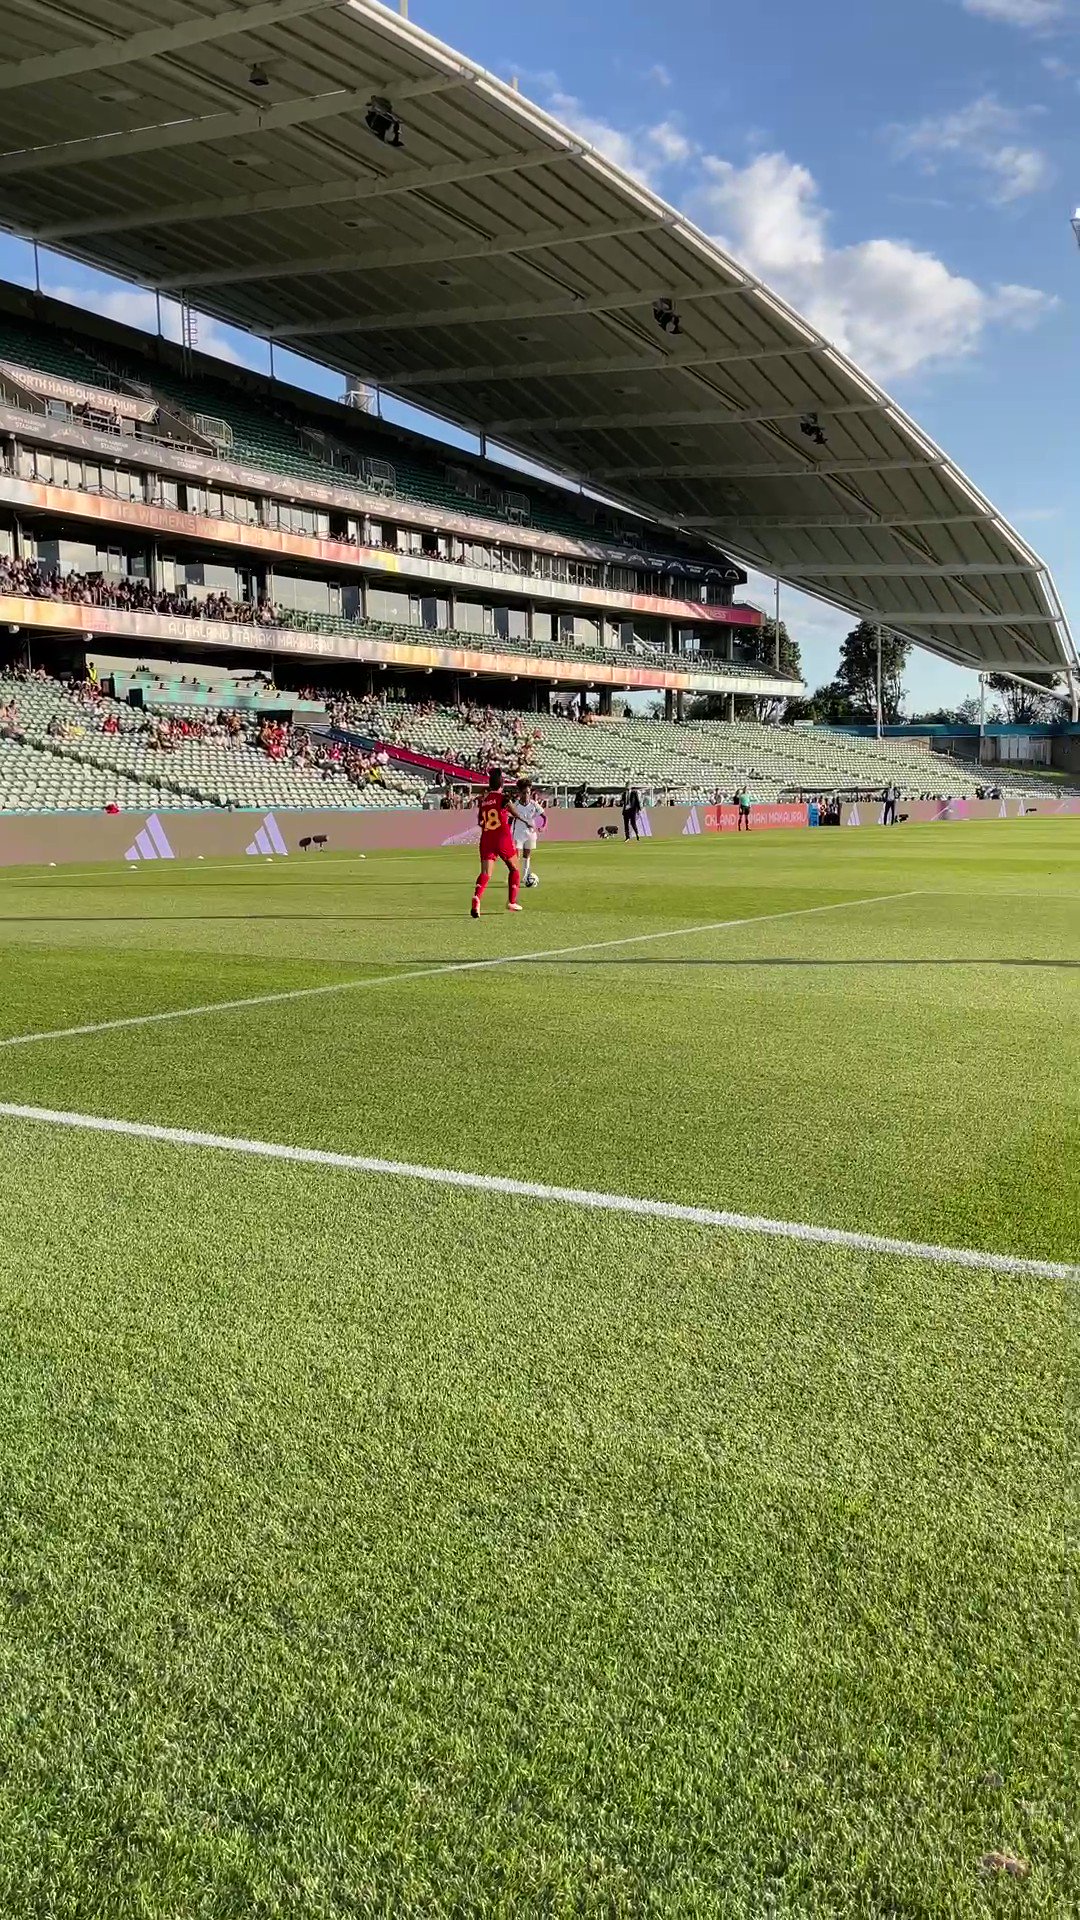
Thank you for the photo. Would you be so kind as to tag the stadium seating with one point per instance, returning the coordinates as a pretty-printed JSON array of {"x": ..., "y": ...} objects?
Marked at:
[
  {"x": 84, "y": 768},
  {"x": 44, "y": 350},
  {"x": 696, "y": 760},
  {"x": 823, "y": 760},
  {"x": 36, "y": 780},
  {"x": 60, "y": 758},
  {"x": 563, "y": 654},
  {"x": 270, "y": 433}
]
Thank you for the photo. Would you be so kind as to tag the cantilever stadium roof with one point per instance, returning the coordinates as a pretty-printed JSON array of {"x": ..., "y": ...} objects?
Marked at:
[{"x": 495, "y": 269}]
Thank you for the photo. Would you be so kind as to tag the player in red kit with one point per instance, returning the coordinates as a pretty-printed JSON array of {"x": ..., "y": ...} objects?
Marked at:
[{"x": 497, "y": 842}]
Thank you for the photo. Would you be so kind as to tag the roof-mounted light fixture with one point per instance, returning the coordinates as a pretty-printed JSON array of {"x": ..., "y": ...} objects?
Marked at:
[
  {"x": 667, "y": 316},
  {"x": 381, "y": 120}
]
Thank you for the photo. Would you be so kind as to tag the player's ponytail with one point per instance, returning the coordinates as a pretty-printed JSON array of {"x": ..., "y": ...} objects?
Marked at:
[{"x": 494, "y": 779}]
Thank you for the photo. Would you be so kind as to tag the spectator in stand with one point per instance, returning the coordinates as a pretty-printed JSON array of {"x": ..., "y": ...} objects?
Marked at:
[{"x": 129, "y": 595}]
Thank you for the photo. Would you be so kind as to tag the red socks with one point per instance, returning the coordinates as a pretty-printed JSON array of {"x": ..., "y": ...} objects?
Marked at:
[{"x": 515, "y": 886}]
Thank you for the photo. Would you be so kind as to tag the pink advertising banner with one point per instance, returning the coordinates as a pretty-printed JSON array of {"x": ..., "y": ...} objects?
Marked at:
[
  {"x": 349, "y": 556},
  {"x": 725, "y": 819},
  {"x": 149, "y": 629},
  {"x": 60, "y": 839}
]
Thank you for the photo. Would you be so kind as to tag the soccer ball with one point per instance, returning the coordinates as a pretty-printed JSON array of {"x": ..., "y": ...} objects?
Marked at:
[{"x": 532, "y": 881}]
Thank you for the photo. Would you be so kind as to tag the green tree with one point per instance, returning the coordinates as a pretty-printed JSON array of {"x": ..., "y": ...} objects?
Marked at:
[
  {"x": 964, "y": 715},
  {"x": 769, "y": 708},
  {"x": 828, "y": 706},
  {"x": 857, "y": 672},
  {"x": 1022, "y": 706},
  {"x": 772, "y": 707}
]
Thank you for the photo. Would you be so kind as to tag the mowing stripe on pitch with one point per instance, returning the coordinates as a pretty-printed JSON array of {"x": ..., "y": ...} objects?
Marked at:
[
  {"x": 566, "y": 1196},
  {"x": 428, "y": 973}
]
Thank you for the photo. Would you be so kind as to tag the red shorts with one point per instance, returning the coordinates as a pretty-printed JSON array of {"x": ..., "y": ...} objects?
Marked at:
[{"x": 497, "y": 846}]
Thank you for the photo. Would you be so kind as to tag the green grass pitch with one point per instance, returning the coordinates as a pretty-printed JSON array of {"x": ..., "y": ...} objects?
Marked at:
[{"x": 369, "y": 1547}]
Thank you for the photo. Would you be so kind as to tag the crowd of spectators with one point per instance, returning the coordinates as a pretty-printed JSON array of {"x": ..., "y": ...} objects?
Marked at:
[
  {"x": 165, "y": 733},
  {"x": 129, "y": 596},
  {"x": 327, "y": 758},
  {"x": 501, "y": 739}
]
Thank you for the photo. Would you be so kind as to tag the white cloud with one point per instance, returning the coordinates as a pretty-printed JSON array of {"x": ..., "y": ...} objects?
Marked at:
[
  {"x": 673, "y": 147},
  {"x": 982, "y": 137},
  {"x": 645, "y": 152},
  {"x": 892, "y": 306},
  {"x": 134, "y": 308},
  {"x": 660, "y": 75},
  {"x": 1019, "y": 13},
  {"x": 626, "y": 150},
  {"x": 772, "y": 207},
  {"x": 1021, "y": 307}
]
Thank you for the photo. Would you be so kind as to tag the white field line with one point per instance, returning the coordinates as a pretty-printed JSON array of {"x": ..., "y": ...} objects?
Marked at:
[
  {"x": 427, "y": 973},
  {"x": 566, "y": 1196}
]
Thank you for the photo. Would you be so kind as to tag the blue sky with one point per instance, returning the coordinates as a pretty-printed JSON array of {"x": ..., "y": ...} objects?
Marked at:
[{"x": 899, "y": 171}]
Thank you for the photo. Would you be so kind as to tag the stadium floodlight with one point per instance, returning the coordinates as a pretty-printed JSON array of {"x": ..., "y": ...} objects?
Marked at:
[
  {"x": 811, "y": 426},
  {"x": 258, "y": 77},
  {"x": 1076, "y": 225},
  {"x": 381, "y": 120},
  {"x": 667, "y": 316}
]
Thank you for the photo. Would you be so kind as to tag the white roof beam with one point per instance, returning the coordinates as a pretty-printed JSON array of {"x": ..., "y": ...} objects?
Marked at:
[
  {"x": 828, "y": 470},
  {"x": 911, "y": 617},
  {"x": 858, "y": 570},
  {"x": 99, "y": 56},
  {"x": 733, "y": 523},
  {"x": 405, "y": 322},
  {"x": 449, "y": 249},
  {"x": 656, "y": 361},
  {"x": 685, "y": 417},
  {"x": 244, "y": 123},
  {"x": 321, "y": 194},
  {"x": 619, "y": 300},
  {"x": 1024, "y": 666}
]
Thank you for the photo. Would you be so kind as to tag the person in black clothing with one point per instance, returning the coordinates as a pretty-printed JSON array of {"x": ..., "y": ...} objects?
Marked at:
[
  {"x": 631, "y": 807},
  {"x": 888, "y": 818},
  {"x": 581, "y": 797}
]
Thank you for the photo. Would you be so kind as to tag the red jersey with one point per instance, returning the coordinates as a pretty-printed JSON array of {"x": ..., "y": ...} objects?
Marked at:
[{"x": 494, "y": 813}]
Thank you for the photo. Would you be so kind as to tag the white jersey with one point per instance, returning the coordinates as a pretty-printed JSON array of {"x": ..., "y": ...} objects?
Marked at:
[{"x": 534, "y": 822}]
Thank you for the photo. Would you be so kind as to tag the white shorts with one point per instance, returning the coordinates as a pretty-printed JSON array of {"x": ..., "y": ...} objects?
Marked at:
[{"x": 527, "y": 843}]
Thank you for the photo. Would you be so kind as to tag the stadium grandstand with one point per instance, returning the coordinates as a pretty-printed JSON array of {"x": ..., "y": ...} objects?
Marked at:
[
  {"x": 547, "y": 1415},
  {"x": 156, "y": 502}
]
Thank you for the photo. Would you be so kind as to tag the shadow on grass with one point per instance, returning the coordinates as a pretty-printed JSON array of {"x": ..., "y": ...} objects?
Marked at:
[{"x": 587, "y": 960}]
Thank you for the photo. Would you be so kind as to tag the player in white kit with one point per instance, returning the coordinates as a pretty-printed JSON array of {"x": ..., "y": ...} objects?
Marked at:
[{"x": 528, "y": 826}]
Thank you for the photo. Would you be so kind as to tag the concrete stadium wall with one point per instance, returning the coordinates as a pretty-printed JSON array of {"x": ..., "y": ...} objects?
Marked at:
[
  {"x": 869, "y": 813},
  {"x": 1065, "y": 751},
  {"x": 67, "y": 839}
]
